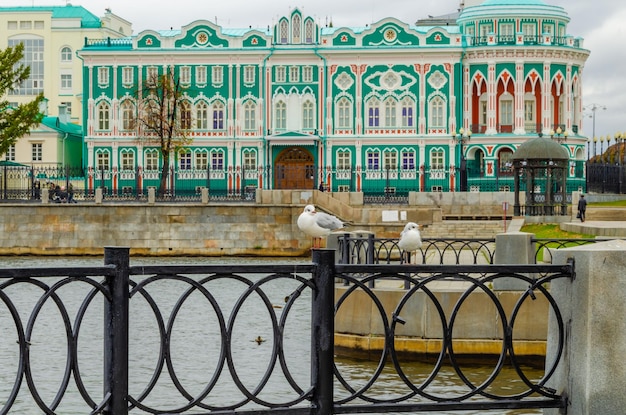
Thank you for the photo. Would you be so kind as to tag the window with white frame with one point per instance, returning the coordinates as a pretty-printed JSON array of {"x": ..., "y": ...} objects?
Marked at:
[
  {"x": 506, "y": 109},
  {"x": 200, "y": 75},
  {"x": 66, "y": 54},
  {"x": 294, "y": 74},
  {"x": 530, "y": 119},
  {"x": 390, "y": 159},
  {"x": 26, "y": 24},
  {"x": 103, "y": 160},
  {"x": 151, "y": 160},
  {"x": 548, "y": 28},
  {"x": 10, "y": 155},
  {"x": 32, "y": 58},
  {"x": 185, "y": 115},
  {"x": 249, "y": 159},
  {"x": 68, "y": 107},
  {"x": 407, "y": 112},
  {"x": 307, "y": 74},
  {"x": 184, "y": 159},
  {"x": 66, "y": 81},
  {"x": 128, "y": 115},
  {"x": 217, "y": 160},
  {"x": 280, "y": 115},
  {"x": 217, "y": 75},
  {"x": 390, "y": 112},
  {"x": 436, "y": 158},
  {"x": 344, "y": 113},
  {"x": 485, "y": 29},
  {"x": 249, "y": 75},
  {"x": 103, "y": 76},
  {"x": 37, "y": 151},
  {"x": 152, "y": 75},
  {"x": 127, "y": 158},
  {"x": 202, "y": 160},
  {"x": 528, "y": 29},
  {"x": 437, "y": 113},
  {"x": 408, "y": 159},
  {"x": 249, "y": 115},
  {"x": 296, "y": 29},
  {"x": 185, "y": 75},
  {"x": 218, "y": 115},
  {"x": 308, "y": 117},
  {"x": 373, "y": 159},
  {"x": 344, "y": 160},
  {"x": 482, "y": 109},
  {"x": 281, "y": 74},
  {"x": 202, "y": 116},
  {"x": 283, "y": 32},
  {"x": 373, "y": 112},
  {"x": 309, "y": 32},
  {"x": 507, "y": 31},
  {"x": 104, "y": 116},
  {"x": 128, "y": 76}
]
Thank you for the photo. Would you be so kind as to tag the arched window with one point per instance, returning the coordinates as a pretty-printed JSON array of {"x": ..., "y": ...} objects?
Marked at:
[
  {"x": 309, "y": 32},
  {"x": 128, "y": 115},
  {"x": 218, "y": 116},
  {"x": 185, "y": 115},
  {"x": 202, "y": 159},
  {"x": 296, "y": 29},
  {"x": 103, "y": 159},
  {"x": 390, "y": 159},
  {"x": 505, "y": 162},
  {"x": 308, "y": 115},
  {"x": 249, "y": 115},
  {"x": 344, "y": 113},
  {"x": 436, "y": 159},
  {"x": 408, "y": 159},
  {"x": 407, "y": 112},
  {"x": 249, "y": 159},
  {"x": 280, "y": 115},
  {"x": 66, "y": 54},
  {"x": 506, "y": 113},
  {"x": 104, "y": 116},
  {"x": 373, "y": 112},
  {"x": 127, "y": 160},
  {"x": 344, "y": 160},
  {"x": 437, "y": 113},
  {"x": 151, "y": 160},
  {"x": 390, "y": 112},
  {"x": 284, "y": 32},
  {"x": 202, "y": 116}
]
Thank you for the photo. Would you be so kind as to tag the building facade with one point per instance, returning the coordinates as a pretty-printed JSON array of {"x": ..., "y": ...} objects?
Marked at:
[
  {"x": 51, "y": 36},
  {"x": 390, "y": 107}
]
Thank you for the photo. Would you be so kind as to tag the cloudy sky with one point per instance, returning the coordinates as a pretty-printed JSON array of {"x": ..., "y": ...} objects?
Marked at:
[{"x": 599, "y": 22}]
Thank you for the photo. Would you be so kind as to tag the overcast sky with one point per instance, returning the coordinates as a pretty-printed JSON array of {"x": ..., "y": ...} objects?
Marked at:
[{"x": 599, "y": 22}]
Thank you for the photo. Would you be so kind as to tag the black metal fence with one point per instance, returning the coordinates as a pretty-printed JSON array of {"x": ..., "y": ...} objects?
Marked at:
[
  {"x": 606, "y": 178},
  {"x": 132, "y": 375},
  {"x": 367, "y": 249}
]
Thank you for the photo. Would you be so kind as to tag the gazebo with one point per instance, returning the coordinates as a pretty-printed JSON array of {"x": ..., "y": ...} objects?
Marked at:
[{"x": 541, "y": 164}]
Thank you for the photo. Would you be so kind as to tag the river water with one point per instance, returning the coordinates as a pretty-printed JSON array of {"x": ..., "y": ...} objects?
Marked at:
[{"x": 195, "y": 343}]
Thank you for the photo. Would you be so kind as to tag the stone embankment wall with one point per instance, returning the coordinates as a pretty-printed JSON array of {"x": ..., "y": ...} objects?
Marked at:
[{"x": 265, "y": 228}]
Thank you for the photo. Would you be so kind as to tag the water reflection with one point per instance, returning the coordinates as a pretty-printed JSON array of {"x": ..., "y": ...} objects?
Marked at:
[{"x": 197, "y": 352}]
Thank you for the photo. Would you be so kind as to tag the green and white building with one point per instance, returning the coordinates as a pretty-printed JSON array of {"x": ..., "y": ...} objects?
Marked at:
[{"x": 438, "y": 105}]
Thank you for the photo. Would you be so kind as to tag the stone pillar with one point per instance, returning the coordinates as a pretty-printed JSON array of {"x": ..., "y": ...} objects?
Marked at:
[
  {"x": 205, "y": 195},
  {"x": 593, "y": 307},
  {"x": 45, "y": 196},
  {"x": 151, "y": 195},
  {"x": 98, "y": 197},
  {"x": 513, "y": 248}
]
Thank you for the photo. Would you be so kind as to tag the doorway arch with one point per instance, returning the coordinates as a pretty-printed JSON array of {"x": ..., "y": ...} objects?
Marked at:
[{"x": 294, "y": 169}]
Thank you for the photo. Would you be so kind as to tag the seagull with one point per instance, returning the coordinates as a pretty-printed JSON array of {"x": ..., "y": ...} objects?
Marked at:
[
  {"x": 317, "y": 224},
  {"x": 410, "y": 238}
]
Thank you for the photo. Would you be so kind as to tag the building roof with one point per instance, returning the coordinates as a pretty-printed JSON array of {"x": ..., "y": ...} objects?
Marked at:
[
  {"x": 88, "y": 19},
  {"x": 498, "y": 8}
]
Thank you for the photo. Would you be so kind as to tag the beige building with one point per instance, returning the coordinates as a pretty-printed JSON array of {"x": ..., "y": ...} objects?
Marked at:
[{"x": 51, "y": 36}]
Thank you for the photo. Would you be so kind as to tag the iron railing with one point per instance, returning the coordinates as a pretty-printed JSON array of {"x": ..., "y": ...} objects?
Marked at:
[
  {"x": 367, "y": 249},
  {"x": 117, "y": 293}
]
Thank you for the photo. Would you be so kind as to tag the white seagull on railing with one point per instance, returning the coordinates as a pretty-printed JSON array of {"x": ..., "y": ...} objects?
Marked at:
[
  {"x": 410, "y": 238},
  {"x": 317, "y": 224}
]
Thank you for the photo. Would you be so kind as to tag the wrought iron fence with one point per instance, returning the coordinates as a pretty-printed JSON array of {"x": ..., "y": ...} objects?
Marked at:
[
  {"x": 114, "y": 296},
  {"x": 606, "y": 177}
]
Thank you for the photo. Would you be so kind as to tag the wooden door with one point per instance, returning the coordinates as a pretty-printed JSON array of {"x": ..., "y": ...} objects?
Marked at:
[{"x": 294, "y": 169}]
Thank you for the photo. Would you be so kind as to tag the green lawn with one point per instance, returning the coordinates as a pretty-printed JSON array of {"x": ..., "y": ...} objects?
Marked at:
[{"x": 552, "y": 231}]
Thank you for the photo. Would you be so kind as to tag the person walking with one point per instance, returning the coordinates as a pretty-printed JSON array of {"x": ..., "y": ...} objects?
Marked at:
[{"x": 582, "y": 208}]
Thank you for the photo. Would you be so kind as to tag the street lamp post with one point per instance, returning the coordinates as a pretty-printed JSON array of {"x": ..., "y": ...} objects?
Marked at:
[
  {"x": 593, "y": 108},
  {"x": 461, "y": 138}
]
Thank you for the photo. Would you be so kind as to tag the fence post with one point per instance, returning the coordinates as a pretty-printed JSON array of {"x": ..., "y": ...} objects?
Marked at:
[
  {"x": 116, "y": 332},
  {"x": 322, "y": 331}
]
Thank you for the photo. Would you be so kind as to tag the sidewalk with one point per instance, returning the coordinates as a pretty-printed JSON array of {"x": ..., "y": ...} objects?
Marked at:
[{"x": 599, "y": 228}]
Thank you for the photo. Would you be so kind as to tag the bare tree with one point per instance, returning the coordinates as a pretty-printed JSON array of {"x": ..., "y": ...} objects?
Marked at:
[{"x": 163, "y": 118}]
